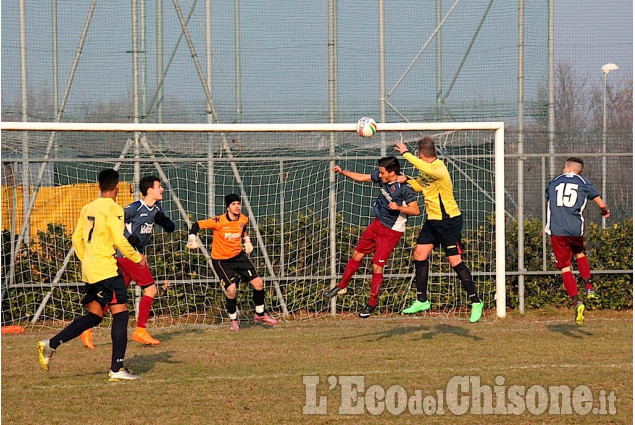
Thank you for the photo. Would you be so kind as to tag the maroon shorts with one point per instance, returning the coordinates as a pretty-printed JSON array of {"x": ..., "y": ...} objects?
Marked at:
[
  {"x": 564, "y": 247},
  {"x": 379, "y": 239},
  {"x": 132, "y": 271}
]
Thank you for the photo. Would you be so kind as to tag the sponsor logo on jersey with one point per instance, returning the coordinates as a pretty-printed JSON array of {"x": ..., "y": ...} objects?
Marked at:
[
  {"x": 146, "y": 229},
  {"x": 232, "y": 236},
  {"x": 386, "y": 194}
]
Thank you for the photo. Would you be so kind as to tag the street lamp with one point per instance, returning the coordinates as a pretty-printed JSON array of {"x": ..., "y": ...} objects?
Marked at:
[{"x": 605, "y": 70}]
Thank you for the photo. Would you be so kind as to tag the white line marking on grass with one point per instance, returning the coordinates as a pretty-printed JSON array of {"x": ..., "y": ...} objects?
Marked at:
[{"x": 462, "y": 371}]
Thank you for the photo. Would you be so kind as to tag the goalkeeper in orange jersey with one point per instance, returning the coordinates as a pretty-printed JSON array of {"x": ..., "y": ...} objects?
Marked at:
[{"x": 230, "y": 260}]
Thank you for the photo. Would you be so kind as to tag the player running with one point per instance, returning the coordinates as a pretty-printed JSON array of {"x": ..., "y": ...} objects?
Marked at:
[
  {"x": 98, "y": 233},
  {"x": 230, "y": 260},
  {"x": 396, "y": 201},
  {"x": 140, "y": 217},
  {"x": 442, "y": 227},
  {"x": 567, "y": 196}
]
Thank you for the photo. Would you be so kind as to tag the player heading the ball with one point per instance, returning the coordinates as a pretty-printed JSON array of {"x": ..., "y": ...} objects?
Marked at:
[{"x": 395, "y": 202}]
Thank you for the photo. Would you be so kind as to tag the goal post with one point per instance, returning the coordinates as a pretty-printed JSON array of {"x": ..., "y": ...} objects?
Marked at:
[{"x": 282, "y": 171}]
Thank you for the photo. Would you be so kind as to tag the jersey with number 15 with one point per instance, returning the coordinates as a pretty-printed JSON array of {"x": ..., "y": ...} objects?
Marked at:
[
  {"x": 567, "y": 195},
  {"x": 99, "y": 231}
]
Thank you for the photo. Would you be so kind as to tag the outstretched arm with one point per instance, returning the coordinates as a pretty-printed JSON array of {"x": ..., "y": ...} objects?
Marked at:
[
  {"x": 164, "y": 221},
  {"x": 359, "y": 177}
]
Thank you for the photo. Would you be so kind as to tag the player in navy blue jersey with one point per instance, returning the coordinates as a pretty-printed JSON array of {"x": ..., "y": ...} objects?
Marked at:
[
  {"x": 396, "y": 201},
  {"x": 567, "y": 196},
  {"x": 139, "y": 218}
]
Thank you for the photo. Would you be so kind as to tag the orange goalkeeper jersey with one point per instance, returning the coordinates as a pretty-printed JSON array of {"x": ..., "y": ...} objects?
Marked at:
[{"x": 227, "y": 235}]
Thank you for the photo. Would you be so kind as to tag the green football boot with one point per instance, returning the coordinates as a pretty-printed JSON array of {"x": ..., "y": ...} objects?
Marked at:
[
  {"x": 477, "y": 312},
  {"x": 417, "y": 306}
]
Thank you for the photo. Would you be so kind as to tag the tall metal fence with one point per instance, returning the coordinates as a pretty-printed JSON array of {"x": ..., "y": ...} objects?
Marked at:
[{"x": 203, "y": 62}]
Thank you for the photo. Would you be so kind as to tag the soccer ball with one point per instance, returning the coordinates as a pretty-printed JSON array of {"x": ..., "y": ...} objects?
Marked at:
[{"x": 366, "y": 127}]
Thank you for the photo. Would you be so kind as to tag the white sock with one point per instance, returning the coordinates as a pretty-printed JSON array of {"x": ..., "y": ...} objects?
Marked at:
[
  {"x": 260, "y": 309},
  {"x": 233, "y": 316}
]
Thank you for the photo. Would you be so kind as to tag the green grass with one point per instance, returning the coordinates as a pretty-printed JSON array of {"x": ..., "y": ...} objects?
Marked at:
[{"x": 209, "y": 376}]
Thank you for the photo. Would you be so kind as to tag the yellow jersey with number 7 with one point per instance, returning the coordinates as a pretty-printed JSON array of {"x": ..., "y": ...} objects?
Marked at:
[{"x": 98, "y": 233}]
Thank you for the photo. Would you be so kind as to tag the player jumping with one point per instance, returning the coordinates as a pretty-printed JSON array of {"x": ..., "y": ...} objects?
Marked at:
[{"x": 396, "y": 201}]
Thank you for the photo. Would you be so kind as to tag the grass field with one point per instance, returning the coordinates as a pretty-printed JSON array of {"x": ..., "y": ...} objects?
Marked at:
[{"x": 255, "y": 376}]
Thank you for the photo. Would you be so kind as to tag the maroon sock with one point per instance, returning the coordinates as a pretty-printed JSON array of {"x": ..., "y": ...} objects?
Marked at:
[
  {"x": 375, "y": 284},
  {"x": 349, "y": 271},
  {"x": 585, "y": 271},
  {"x": 144, "y": 311},
  {"x": 570, "y": 284}
]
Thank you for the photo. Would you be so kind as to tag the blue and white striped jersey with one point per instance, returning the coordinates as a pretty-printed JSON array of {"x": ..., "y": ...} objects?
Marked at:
[
  {"x": 567, "y": 195},
  {"x": 401, "y": 193}
]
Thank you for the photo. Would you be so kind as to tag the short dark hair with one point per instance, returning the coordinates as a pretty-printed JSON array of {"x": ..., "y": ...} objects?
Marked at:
[
  {"x": 146, "y": 183},
  {"x": 390, "y": 163},
  {"x": 575, "y": 163},
  {"x": 108, "y": 179},
  {"x": 427, "y": 147}
]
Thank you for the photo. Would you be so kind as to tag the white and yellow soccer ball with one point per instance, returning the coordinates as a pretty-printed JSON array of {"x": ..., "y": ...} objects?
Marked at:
[{"x": 366, "y": 127}]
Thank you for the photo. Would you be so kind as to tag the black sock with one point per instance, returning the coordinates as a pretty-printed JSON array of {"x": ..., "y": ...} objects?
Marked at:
[
  {"x": 119, "y": 336},
  {"x": 466, "y": 280},
  {"x": 259, "y": 300},
  {"x": 421, "y": 279},
  {"x": 75, "y": 329},
  {"x": 230, "y": 305}
]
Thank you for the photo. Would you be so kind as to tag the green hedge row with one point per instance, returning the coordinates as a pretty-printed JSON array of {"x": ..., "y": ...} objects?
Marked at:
[{"x": 38, "y": 263}]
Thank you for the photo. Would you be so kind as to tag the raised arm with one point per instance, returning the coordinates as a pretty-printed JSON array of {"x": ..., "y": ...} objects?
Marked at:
[{"x": 359, "y": 177}]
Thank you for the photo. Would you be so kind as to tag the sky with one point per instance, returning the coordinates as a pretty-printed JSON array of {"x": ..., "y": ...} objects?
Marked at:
[
  {"x": 284, "y": 60},
  {"x": 592, "y": 33}
]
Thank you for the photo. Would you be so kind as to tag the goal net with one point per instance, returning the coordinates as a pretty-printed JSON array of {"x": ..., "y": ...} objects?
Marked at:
[{"x": 305, "y": 221}]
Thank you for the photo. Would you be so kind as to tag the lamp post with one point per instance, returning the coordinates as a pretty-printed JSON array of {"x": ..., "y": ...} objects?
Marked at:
[{"x": 605, "y": 70}]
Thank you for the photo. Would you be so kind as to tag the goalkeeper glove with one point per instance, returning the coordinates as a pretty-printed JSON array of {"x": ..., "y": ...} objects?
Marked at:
[
  {"x": 247, "y": 246},
  {"x": 192, "y": 243}
]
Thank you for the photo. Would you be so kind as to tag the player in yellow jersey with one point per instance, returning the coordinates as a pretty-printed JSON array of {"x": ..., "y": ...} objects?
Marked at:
[
  {"x": 442, "y": 227},
  {"x": 230, "y": 260},
  {"x": 98, "y": 233}
]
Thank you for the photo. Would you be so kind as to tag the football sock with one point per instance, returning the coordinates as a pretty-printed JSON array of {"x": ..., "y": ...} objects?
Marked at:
[
  {"x": 421, "y": 279},
  {"x": 375, "y": 284},
  {"x": 119, "y": 336},
  {"x": 569, "y": 284},
  {"x": 466, "y": 280},
  {"x": 144, "y": 311},
  {"x": 585, "y": 271},
  {"x": 259, "y": 300},
  {"x": 230, "y": 306},
  {"x": 75, "y": 329},
  {"x": 349, "y": 271}
]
